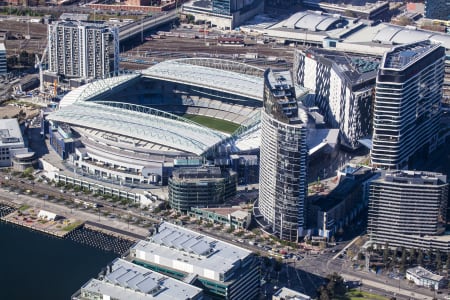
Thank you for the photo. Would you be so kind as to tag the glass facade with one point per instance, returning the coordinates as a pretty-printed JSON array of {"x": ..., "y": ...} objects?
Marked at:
[
  {"x": 200, "y": 187},
  {"x": 283, "y": 161},
  {"x": 222, "y": 7}
]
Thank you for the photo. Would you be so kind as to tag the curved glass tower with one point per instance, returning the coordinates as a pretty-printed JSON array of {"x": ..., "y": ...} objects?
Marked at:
[{"x": 283, "y": 161}]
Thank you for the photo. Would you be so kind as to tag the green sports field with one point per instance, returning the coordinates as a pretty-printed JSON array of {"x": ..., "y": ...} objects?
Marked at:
[{"x": 213, "y": 123}]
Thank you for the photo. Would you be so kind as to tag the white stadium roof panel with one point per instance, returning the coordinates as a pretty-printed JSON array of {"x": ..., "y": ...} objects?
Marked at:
[
  {"x": 290, "y": 22},
  {"x": 386, "y": 34},
  {"x": 207, "y": 77},
  {"x": 173, "y": 133},
  {"x": 90, "y": 90},
  {"x": 406, "y": 36}
]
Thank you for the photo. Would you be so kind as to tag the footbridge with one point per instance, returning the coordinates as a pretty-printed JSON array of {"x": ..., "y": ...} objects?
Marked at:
[{"x": 137, "y": 28}]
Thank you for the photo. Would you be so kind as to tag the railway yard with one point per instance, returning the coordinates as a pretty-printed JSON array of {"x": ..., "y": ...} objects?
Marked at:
[{"x": 176, "y": 43}]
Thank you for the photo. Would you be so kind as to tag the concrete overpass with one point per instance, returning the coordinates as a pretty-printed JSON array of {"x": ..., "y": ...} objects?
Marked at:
[{"x": 135, "y": 29}]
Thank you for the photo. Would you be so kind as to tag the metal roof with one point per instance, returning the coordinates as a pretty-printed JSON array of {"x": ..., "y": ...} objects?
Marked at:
[
  {"x": 125, "y": 280},
  {"x": 151, "y": 125},
  {"x": 403, "y": 56},
  {"x": 96, "y": 88},
  {"x": 310, "y": 21},
  {"x": 391, "y": 34},
  {"x": 173, "y": 242},
  {"x": 219, "y": 79},
  {"x": 148, "y": 125}
]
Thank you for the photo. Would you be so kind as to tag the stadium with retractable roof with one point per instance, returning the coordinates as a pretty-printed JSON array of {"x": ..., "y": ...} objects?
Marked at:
[{"x": 131, "y": 129}]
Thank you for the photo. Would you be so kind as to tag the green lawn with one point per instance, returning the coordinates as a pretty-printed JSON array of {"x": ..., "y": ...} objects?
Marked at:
[
  {"x": 72, "y": 226},
  {"x": 24, "y": 207},
  {"x": 218, "y": 124},
  {"x": 357, "y": 295}
]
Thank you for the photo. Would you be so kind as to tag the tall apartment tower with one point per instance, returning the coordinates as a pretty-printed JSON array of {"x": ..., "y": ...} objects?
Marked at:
[
  {"x": 283, "y": 159},
  {"x": 343, "y": 87},
  {"x": 408, "y": 209},
  {"x": 407, "y": 104},
  {"x": 83, "y": 50}
]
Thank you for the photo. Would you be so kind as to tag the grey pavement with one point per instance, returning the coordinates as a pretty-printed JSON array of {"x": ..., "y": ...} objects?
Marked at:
[{"x": 73, "y": 213}]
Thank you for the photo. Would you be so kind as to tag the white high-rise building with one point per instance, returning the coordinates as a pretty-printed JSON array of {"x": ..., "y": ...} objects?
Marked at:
[
  {"x": 407, "y": 105},
  {"x": 83, "y": 50},
  {"x": 343, "y": 85},
  {"x": 283, "y": 159}
]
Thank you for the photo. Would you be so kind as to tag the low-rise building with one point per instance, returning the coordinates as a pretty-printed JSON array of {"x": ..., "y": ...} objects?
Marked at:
[
  {"x": 200, "y": 187},
  {"x": 287, "y": 294},
  {"x": 235, "y": 216},
  {"x": 223, "y": 270},
  {"x": 341, "y": 206},
  {"x": 123, "y": 280},
  {"x": 423, "y": 277},
  {"x": 12, "y": 146}
]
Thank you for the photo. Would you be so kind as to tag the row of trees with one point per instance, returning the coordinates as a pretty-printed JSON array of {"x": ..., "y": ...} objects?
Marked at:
[{"x": 404, "y": 258}]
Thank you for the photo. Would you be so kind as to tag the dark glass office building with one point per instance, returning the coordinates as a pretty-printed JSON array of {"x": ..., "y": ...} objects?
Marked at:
[{"x": 200, "y": 187}]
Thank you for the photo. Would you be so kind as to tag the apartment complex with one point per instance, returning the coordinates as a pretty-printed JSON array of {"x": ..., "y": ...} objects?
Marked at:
[
  {"x": 221, "y": 269},
  {"x": 407, "y": 105},
  {"x": 200, "y": 187},
  {"x": 83, "y": 50},
  {"x": 343, "y": 87},
  {"x": 281, "y": 208},
  {"x": 3, "y": 68},
  {"x": 408, "y": 209}
]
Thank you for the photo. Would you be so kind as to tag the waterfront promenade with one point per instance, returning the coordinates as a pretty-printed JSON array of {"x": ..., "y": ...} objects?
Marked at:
[
  {"x": 122, "y": 228},
  {"x": 28, "y": 216}
]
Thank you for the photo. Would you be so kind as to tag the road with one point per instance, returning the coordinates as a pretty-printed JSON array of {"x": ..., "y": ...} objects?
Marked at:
[
  {"x": 327, "y": 263},
  {"x": 79, "y": 214}
]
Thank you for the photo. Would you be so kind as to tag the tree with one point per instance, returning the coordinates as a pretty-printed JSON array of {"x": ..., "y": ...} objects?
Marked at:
[
  {"x": 404, "y": 20},
  {"x": 403, "y": 260},
  {"x": 332, "y": 239},
  {"x": 447, "y": 262},
  {"x": 277, "y": 265},
  {"x": 430, "y": 255},
  {"x": 420, "y": 257},
  {"x": 438, "y": 261},
  {"x": 324, "y": 294},
  {"x": 336, "y": 287},
  {"x": 412, "y": 255},
  {"x": 386, "y": 253}
]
